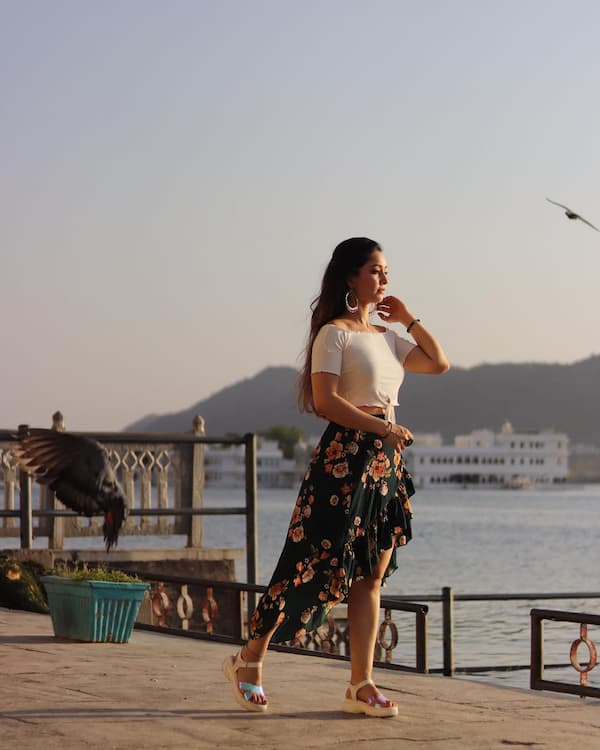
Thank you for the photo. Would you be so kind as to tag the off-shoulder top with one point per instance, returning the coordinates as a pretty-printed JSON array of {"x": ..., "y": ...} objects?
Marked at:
[{"x": 369, "y": 365}]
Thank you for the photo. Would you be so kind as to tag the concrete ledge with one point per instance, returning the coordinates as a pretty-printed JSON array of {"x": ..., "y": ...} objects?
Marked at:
[
  {"x": 48, "y": 557},
  {"x": 150, "y": 555},
  {"x": 167, "y": 692}
]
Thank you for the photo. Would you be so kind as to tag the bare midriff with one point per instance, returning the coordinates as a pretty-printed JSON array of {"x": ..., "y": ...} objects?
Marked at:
[{"x": 376, "y": 411}]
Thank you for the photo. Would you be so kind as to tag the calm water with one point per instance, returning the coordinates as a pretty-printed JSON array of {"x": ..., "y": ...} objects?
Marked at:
[{"x": 492, "y": 541}]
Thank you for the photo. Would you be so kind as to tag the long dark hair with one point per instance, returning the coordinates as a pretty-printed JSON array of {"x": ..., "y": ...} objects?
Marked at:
[{"x": 347, "y": 259}]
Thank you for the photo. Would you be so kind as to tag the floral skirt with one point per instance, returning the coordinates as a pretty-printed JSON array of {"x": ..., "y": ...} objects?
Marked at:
[{"x": 353, "y": 504}]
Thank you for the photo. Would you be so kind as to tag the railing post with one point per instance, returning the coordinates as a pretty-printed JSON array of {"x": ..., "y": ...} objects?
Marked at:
[
  {"x": 448, "y": 627},
  {"x": 193, "y": 488},
  {"x": 56, "y": 526},
  {"x": 251, "y": 518},
  {"x": 536, "y": 665},
  {"x": 421, "y": 638},
  {"x": 26, "y": 519},
  {"x": 9, "y": 477}
]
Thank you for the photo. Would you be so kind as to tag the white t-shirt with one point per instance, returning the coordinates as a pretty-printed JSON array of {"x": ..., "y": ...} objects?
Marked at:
[{"x": 369, "y": 365}]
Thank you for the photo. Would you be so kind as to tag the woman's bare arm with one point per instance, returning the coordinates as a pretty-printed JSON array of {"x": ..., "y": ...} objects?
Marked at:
[{"x": 427, "y": 357}]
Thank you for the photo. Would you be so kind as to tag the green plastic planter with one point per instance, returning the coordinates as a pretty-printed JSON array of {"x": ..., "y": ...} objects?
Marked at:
[{"x": 98, "y": 611}]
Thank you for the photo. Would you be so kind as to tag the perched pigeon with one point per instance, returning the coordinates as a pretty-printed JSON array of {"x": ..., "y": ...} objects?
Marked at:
[
  {"x": 572, "y": 214},
  {"x": 77, "y": 469}
]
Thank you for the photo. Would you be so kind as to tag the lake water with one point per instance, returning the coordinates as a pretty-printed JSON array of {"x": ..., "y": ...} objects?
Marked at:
[{"x": 477, "y": 542}]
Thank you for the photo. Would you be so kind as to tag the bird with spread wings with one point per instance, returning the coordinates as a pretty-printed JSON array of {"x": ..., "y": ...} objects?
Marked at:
[
  {"x": 572, "y": 215},
  {"x": 77, "y": 469}
]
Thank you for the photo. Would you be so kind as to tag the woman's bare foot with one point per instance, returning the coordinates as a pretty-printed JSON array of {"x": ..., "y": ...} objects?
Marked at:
[
  {"x": 251, "y": 674},
  {"x": 371, "y": 695}
]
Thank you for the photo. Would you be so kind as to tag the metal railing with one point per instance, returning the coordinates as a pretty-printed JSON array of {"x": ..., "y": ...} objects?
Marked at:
[
  {"x": 328, "y": 641},
  {"x": 537, "y": 681},
  {"x": 448, "y": 598},
  {"x": 332, "y": 638}
]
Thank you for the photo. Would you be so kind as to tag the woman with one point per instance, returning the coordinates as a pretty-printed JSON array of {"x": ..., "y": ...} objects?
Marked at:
[{"x": 353, "y": 507}]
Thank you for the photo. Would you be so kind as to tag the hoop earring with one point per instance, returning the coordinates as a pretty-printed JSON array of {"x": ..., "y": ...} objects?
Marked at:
[{"x": 349, "y": 307}]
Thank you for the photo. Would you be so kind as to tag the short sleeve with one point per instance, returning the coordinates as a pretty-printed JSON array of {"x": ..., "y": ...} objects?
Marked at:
[
  {"x": 327, "y": 350},
  {"x": 403, "y": 347}
]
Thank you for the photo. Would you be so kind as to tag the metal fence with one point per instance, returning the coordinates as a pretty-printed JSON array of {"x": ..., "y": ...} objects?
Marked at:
[
  {"x": 536, "y": 665},
  {"x": 181, "y": 605},
  {"x": 192, "y": 607},
  {"x": 537, "y": 681}
]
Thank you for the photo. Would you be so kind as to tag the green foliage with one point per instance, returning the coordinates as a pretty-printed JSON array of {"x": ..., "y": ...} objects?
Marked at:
[
  {"x": 286, "y": 436},
  {"x": 20, "y": 586},
  {"x": 82, "y": 572}
]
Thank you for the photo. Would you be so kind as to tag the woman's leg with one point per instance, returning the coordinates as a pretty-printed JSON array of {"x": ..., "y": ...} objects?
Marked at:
[{"x": 363, "y": 620}]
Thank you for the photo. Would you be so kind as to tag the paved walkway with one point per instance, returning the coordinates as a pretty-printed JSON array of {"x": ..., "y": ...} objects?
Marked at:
[{"x": 161, "y": 691}]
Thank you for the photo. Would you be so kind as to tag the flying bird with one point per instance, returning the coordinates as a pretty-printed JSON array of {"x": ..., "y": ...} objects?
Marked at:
[
  {"x": 572, "y": 215},
  {"x": 78, "y": 470}
]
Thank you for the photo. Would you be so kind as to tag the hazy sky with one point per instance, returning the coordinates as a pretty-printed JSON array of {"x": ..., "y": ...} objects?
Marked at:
[{"x": 174, "y": 176}]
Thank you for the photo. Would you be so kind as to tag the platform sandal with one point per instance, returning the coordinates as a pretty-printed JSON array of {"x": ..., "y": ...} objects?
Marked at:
[
  {"x": 248, "y": 689},
  {"x": 372, "y": 707}
]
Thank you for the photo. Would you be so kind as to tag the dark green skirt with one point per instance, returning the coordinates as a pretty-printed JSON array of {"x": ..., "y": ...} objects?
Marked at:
[{"x": 353, "y": 504}]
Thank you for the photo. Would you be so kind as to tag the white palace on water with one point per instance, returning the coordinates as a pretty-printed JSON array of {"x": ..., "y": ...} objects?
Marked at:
[
  {"x": 480, "y": 459},
  {"x": 487, "y": 459}
]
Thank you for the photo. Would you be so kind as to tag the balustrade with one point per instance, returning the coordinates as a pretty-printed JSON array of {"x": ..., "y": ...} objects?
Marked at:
[{"x": 156, "y": 472}]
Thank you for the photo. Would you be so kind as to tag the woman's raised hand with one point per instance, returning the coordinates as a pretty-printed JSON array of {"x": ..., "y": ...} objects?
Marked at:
[
  {"x": 393, "y": 310},
  {"x": 400, "y": 437}
]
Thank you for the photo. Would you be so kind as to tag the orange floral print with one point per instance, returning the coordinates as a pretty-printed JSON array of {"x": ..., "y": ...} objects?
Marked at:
[
  {"x": 352, "y": 504},
  {"x": 308, "y": 575},
  {"x": 340, "y": 470},
  {"x": 277, "y": 589},
  {"x": 297, "y": 533},
  {"x": 334, "y": 451}
]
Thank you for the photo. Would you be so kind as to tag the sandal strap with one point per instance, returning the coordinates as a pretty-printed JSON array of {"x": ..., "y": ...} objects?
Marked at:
[
  {"x": 242, "y": 664},
  {"x": 355, "y": 688},
  {"x": 249, "y": 688}
]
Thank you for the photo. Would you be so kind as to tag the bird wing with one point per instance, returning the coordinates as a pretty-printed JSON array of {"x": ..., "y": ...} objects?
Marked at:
[
  {"x": 78, "y": 470},
  {"x": 589, "y": 223},
  {"x": 558, "y": 204},
  {"x": 47, "y": 453}
]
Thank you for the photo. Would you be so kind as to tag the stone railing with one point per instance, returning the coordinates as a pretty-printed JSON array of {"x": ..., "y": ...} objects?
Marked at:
[
  {"x": 155, "y": 472},
  {"x": 159, "y": 472}
]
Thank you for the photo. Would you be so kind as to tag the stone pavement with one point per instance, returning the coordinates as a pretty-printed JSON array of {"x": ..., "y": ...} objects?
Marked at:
[{"x": 161, "y": 691}]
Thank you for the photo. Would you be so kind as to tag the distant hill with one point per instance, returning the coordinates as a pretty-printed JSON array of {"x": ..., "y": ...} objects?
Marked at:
[
  {"x": 251, "y": 405},
  {"x": 532, "y": 396}
]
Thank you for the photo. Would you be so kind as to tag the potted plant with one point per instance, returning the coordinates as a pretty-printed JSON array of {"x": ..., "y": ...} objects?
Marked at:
[{"x": 93, "y": 604}]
